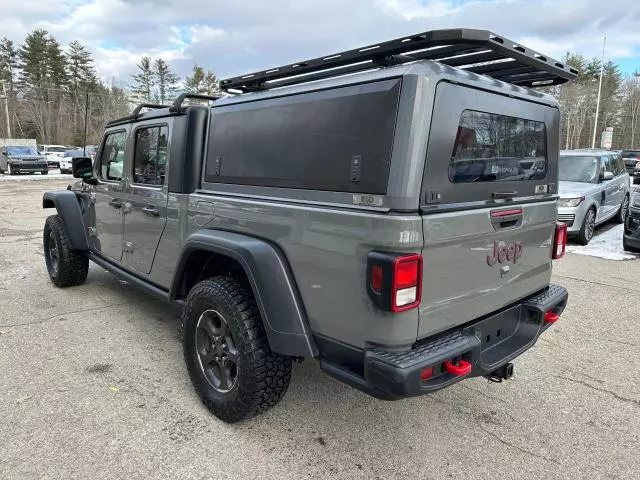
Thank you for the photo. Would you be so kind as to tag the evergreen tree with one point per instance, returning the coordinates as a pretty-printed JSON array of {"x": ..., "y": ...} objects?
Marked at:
[
  {"x": 56, "y": 65},
  {"x": 201, "y": 82},
  {"x": 33, "y": 54},
  {"x": 166, "y": 80},
  {"x": 8, "y": 63},
  {"x": 81, "y": 68},
  {"x": 144, "y": 80}
]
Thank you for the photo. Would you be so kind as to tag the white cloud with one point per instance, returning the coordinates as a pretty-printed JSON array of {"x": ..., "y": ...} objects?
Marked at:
[{"x": 236, "y": 37}]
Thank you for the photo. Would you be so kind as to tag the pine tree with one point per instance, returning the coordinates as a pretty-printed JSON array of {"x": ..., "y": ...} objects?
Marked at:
[
  {"x": 166, "y": 80},
  {"x": 56, "y": 65},
  {"x": 201, "y": 82},
  {"x": 81, "y": 68},
  {"x": 8, "y": 63},
  {"x": 33, "y": 54},
  {"x": 144, "y": 80}
]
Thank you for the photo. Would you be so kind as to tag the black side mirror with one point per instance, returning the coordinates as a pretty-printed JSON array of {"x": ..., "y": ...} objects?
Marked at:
[
  {"x": 4, "y": 154},
  {"x": 82, "y": 167}
]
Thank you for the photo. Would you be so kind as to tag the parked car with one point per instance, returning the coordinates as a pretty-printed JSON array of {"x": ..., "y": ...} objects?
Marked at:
[
  {"x": 398, "y": 224},
  {"x": 65, "y": 160},
  {"x": 632, "y": 163},
  {"x": 594, "y": 187},
  {"x": 18, "y": 159},
  {"x": 52, "y": 153}
]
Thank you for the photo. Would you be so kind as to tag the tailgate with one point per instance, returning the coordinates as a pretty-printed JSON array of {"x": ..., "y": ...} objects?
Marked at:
[
  {"x": 476, "y": 263},
  {"x": 489, "y": 204}
]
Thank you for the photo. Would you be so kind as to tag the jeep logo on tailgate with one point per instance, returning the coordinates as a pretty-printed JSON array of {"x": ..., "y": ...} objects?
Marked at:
[{"x": 503, "y": 252}]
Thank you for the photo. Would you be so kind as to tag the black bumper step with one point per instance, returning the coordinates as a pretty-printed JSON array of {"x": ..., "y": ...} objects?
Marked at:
[{"x": 484, "y": 345}]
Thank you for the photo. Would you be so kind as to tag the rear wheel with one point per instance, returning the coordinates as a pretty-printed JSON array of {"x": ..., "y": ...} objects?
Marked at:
[
  {"x": 227, "y": 354},
  {"x": 588, "y": 226},
  {"x": 624, "y": 210},
  {"x": 66, "y": 267}
]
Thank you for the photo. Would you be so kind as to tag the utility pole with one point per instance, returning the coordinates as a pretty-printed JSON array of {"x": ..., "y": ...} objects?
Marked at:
[
  {"x": 6, "y": 109},
  {"x": 86, "y": 123},
  {"x": 595, "y": 122}
]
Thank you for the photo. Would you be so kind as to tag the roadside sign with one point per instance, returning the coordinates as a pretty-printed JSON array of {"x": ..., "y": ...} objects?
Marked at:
[{"x": 607, "y": 138}]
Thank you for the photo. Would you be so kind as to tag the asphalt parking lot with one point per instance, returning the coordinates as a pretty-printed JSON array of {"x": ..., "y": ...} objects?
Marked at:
[{"x": 93, "y": 385}]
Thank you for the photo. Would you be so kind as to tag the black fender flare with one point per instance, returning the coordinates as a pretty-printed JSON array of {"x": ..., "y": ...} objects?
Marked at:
[
  {"x": 66, "y": 203},
  {"x": 274, "y": 288}
]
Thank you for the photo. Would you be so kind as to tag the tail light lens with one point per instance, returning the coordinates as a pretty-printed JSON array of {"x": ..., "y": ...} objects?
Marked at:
[
  {"x": 394, "y": 281},
  {"x": 559, "y": 241},
  {"x": 406, "y": 283}
]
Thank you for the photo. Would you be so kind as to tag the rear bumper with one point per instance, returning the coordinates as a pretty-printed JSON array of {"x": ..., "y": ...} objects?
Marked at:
[{"x": 484, "y": 345}]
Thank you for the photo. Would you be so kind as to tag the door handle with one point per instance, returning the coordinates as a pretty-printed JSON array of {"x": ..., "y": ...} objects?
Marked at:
[
  {"x": 115, "y": 203},
  {"x": 154, "y": 212}
]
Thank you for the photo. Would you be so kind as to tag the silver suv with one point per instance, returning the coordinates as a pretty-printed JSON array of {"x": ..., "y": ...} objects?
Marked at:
[
  {"x": 397, "y": 224},
  {"x": 594, "y": 188}
]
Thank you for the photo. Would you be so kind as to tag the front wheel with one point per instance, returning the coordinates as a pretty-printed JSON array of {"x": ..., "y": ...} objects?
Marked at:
[
  {"x": 10, "y": 170},
  {"x": 231, "y": 366},
  {"x": 624, "y": 210},
  {"x": 66, "y": 267},
  {"x": 588, "y": 226},
  {"x": 45, "y": 172}
]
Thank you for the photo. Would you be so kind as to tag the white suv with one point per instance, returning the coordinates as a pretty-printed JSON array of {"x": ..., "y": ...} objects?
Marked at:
[{"x": 52, "y": 153}]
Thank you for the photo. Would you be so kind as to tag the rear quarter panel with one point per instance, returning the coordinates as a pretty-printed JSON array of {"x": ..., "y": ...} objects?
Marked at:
[{"x": 326, "y": 249}]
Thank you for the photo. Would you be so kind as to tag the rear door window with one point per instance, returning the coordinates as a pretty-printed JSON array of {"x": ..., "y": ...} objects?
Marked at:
[{"x": 497, "y": 148}]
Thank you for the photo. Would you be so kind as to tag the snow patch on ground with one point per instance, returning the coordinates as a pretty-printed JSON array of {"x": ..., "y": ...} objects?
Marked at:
[
  {"x": 53, "y": 175},
  {"x": 606, "y": 244}
]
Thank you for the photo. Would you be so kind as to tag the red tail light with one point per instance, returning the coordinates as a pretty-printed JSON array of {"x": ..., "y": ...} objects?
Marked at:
[
  {"x": 394, "y": 281},
  {"x": 559, "y": 241},
  {"x": 405, "y": 289}
]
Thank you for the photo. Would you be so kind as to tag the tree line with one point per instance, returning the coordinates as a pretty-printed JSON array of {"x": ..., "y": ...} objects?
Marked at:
[
  {"x": 47, "y": 87},
  {"x": 50, "y": 90},
  {"x": 619, "y": 104}
]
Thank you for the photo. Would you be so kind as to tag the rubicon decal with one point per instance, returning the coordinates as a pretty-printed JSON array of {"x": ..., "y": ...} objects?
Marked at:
[{"x": 505, "y": 252}]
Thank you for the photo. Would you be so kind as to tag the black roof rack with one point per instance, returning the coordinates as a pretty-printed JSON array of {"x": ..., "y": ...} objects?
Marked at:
[
  {"x": 478, "y": 51},
  {"x": 136, "y": 113},
  {"x": 177, "y": 103}
]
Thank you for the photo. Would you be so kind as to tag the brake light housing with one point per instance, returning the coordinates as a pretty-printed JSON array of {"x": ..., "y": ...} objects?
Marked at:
[
  {"x": 394, "y": 281},
  {"x": 559, "y": 241}
]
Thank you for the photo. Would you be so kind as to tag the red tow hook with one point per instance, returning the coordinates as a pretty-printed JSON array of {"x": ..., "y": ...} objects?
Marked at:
[
  {"x": 551, "y": 317},
  {"x": 463, "y": 368}
]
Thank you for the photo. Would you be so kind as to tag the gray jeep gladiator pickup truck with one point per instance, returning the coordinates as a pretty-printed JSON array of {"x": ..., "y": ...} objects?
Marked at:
[{"x": 390, "y": 211}]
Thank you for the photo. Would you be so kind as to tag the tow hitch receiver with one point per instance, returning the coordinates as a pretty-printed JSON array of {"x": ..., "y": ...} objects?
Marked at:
[{"x": 505, "y": 372}]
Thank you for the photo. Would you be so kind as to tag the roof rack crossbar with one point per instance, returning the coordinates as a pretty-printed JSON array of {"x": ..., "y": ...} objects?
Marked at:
[
  {"x": 138, "y": 109},
  {"x": 177, "y": 103},
  {"x": 463, "y": 48}
]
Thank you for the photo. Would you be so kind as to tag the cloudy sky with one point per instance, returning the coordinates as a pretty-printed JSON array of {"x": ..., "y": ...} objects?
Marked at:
[{"x": 238, "y": 36}]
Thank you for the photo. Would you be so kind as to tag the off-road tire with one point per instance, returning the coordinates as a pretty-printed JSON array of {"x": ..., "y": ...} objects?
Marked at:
[
  {"x": 72, "y": 265},
  {"x": 262, "y": 375},
  {"x": 586, "y": 231},
  {"x": 621, "y": 216}
]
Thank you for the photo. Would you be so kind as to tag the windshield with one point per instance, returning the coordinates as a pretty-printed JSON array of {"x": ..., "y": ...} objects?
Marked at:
[
  {"x": 57, "y": 149},
  {"x": 21, "y": 151},
  {"x": 578, "y": 169}
]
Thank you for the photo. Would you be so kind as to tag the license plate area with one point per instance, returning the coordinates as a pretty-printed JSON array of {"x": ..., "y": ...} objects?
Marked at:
[
  {"x": 499, "y": 328},
  {"x": 506, "y": 334}
]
